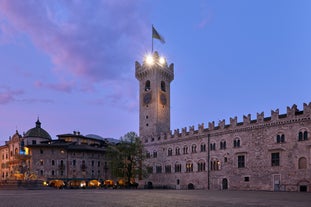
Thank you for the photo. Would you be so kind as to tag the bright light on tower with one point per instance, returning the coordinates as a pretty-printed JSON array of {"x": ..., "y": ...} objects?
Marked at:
[
  {"x": 149, "y": 60},
  {"x": 162, "y": 60}
]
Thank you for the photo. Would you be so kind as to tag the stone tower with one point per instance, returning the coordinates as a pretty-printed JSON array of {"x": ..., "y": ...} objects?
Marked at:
[{"x": 154, "y": 76}]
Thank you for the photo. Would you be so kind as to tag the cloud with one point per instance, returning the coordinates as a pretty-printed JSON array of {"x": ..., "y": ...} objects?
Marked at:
[
  {"x": 206, "y": 15},
  {"x": 94, "y": 39},
  {"x": 8, "y": 95},
  {"x": 62, "y": 86}
]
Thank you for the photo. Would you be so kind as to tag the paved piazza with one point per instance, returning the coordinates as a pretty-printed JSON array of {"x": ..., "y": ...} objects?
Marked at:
[{"x": 149, "y": 198}]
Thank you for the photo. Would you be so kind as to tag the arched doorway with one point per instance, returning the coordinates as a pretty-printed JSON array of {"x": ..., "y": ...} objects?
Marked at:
[
  {"x": 149, "y": 185},
  {"x": 225, "y": 184},
  {"x": 190, "y": 186}
]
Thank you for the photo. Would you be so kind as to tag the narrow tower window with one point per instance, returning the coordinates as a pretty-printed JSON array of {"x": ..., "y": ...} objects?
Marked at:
[
  {"x": 147, "y": 85},
  {"x": 163, "y": 86}
]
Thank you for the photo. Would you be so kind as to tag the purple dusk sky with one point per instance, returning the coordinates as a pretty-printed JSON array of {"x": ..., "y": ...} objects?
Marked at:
[{"x": 72, "y": 62}]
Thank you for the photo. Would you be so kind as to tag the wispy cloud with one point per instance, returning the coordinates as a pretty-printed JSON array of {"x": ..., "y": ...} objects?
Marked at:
[
  {"x": 91, "y": 39},
  {"x": 205, "y": 14},
  {"x": 62, "y": 86},
  {"x": 8, "y": 95}
]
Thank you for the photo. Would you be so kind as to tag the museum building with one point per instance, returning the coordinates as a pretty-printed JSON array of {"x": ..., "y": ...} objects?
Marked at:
[
  {"x": 74, "y": 159},
  {"x": 266, "y": 153}
]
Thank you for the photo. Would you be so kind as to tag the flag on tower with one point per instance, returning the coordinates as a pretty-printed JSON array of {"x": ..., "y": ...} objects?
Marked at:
[{"x": 156, "y": 35}]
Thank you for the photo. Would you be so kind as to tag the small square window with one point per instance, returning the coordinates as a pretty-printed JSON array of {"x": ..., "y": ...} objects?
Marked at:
[{"x": 246, "y": 179}]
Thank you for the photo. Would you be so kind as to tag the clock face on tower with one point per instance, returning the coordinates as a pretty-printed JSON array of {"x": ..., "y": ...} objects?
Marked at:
[
  {"x": 163, "y": 99},
  {"x": 147, "y": 98}
]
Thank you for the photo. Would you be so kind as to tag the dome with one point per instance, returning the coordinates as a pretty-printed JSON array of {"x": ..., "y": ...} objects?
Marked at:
[{"x": 38, "y": 132}]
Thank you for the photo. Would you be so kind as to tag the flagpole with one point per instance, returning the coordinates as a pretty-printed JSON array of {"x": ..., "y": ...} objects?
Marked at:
[{"x": 152, "y": 38}]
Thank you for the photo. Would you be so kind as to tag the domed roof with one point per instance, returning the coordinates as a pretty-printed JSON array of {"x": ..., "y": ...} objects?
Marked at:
[{"x": 38, "y": 132}]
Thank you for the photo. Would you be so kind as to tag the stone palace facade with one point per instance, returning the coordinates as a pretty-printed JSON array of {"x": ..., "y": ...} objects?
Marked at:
[{"x": 266, "y": 153}]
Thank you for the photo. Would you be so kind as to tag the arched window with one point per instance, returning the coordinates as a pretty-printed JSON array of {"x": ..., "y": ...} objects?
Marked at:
[
  {"x": 223, "y": 145},
  {"x": 189, "y": 166},
  {"x": 185, "y": 150},
  {"x": 163, "y": 86},
  {"x": 300, "y": 136},
  {"x": 213, "y": 146},
  {"x": 147, "y": 85},
  {"x": 194, "y": 148},
  {"x": 303, "y": 136},
  {"x": 215, "y": 165},
  {"x": 203, "y": 147},
  {"x": 236, "y": 143},
  {"x": 16, "y": 151},
  {"x": 302, "y": 163},
  {"x": 280, "y": 138},
  {"x": 201, "y": 166},
  {"x": 177, "y": 151},
  {"x": 170, "y": 152}
]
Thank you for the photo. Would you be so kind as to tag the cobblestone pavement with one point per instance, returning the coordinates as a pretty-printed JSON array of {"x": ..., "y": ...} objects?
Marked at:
[{"x": 150, "y": 198}]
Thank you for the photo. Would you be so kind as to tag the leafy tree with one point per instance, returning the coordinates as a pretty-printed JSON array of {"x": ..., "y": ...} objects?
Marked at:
[{"x": 127, "y": 158}]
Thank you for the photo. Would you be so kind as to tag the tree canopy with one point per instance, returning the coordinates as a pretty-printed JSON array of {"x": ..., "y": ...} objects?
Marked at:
[{"x": 127, "y": 158}]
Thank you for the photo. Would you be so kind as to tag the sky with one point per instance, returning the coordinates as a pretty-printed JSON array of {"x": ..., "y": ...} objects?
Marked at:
[{"x": 72, "y": 63}]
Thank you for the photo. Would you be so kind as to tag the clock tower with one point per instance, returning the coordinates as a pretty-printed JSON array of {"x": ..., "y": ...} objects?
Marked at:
[{"x": 154, "y": 76}]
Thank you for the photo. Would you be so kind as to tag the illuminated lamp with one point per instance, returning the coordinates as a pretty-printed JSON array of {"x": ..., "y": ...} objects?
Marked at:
[
  {"x": 149, "y": 59},
  {"x": 162, "y": 60}
]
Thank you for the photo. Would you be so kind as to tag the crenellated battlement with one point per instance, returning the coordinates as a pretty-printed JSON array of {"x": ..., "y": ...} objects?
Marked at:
[
  {"x": 154, "y": 63},
  {"x": 293, "y": 113}
]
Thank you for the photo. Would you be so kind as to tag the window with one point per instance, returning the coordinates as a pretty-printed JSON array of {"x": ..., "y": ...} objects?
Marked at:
[
  {"x": 177, "y": 151},
  {"x": 275, "y": 159},
  {"x": 92, "y": 163},
  {"x": 246, "y": 179},
  {"x": 177, "y": 167},
  {"x": 189, "y": 167},
  {"x": 201, "y": 166},
  {"x": 148, "y": 154},
  {"x": 302, "y": 163},
  {"x": 280, "y": 138},
  {"x": 158, "y": 169},
  {"x": 203, "y": 147},
  {"x": 215, "y": 165},
  {"x": 241, "y": 161},
  {"x": 213, "y": 146},
  {"x": 41, "y": 172},
  {"x": 98, "y": 164},
  {"x": 194, "y": 148},
  {"x": 223, "y": 145},
  {"x": 170, "y": 152},
  {"x": 53, "y": 162},
  {"x": 185, "y": 150},
  {"x": 163, "y": 86},
  {"x": 168, "y": 169},
  {"x": 147, "y": 85},
  {"x": 53, "y": 173},
  {"x": 34, "y": 141},
  {"x": 155, "y": 154},
  {"x": 303, "y": 136},
  {"x": 41, "y": 151},
  {"x": 236, "y": 143},
  {"x": 41, "y": 162},
  {"x": 74, "y": 162}
]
